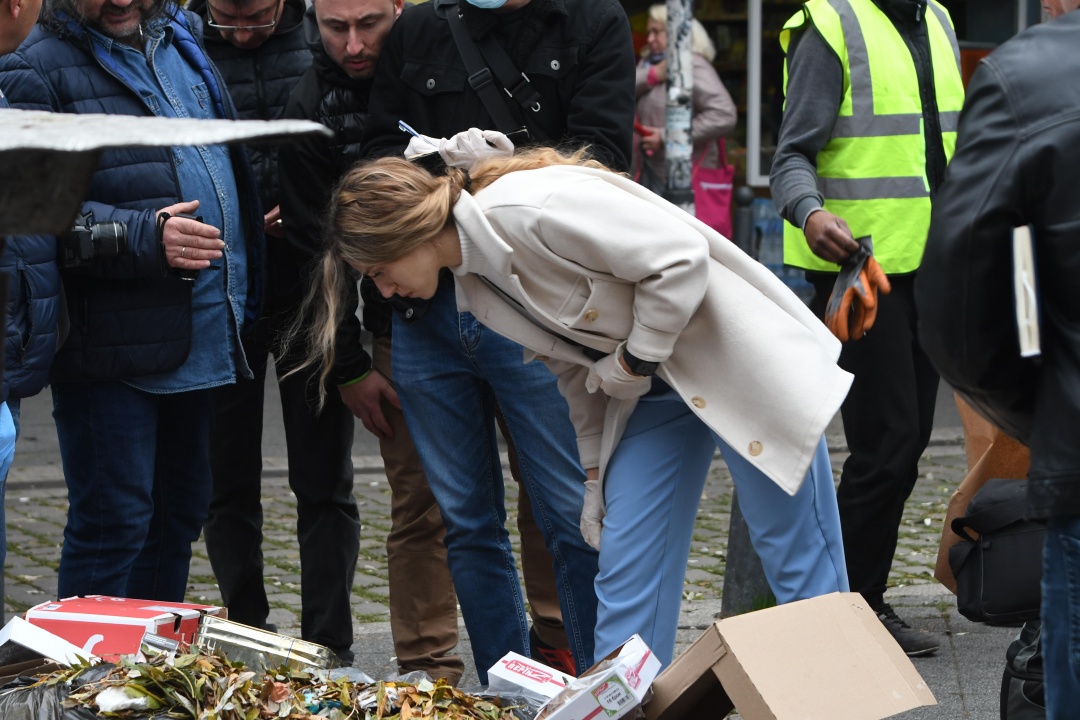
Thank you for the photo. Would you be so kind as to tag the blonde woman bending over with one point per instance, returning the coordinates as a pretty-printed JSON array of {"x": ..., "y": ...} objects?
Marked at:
[{"x": 668, "y": 342}]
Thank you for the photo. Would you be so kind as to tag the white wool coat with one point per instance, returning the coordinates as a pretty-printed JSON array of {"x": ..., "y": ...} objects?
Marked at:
[{"x": 594, "y": 260}]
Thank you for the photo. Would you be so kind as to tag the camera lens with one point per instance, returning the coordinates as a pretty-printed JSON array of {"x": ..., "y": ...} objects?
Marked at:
[{"x": 109, "y": 239}]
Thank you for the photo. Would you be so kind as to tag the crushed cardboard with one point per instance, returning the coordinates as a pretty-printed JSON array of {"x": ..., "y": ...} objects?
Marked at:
[{"x": 826, "y": 658}]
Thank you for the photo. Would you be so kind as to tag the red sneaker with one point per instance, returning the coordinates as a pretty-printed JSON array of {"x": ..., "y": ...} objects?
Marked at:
[{"x": 559, "y": 658}]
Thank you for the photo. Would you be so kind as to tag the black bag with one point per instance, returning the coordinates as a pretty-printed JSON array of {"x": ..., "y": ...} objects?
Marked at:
[
  {"x": 1022, "y": 690},
  {"x": 998, "y": 567}
]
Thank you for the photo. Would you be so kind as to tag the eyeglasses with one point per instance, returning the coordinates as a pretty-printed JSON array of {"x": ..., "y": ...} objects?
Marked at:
[{"x": 260, "y": 26}]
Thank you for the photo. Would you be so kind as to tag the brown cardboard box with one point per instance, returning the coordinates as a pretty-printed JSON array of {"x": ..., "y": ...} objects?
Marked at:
[{"x": 826, "y": 658}]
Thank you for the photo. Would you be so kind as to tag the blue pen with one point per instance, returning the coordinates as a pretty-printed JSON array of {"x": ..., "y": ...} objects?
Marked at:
[{"x": 404, "y": 127}]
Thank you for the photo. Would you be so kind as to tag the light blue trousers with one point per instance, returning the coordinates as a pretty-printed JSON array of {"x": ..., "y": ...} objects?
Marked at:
[{"x": 652, "y": 487}]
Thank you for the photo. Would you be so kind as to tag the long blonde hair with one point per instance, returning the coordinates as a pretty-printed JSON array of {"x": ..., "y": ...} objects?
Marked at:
[{"x": 381, "y": 211}]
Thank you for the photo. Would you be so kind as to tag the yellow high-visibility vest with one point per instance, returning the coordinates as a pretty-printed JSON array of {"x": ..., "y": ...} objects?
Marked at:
[{"x": 872, "y": 172}]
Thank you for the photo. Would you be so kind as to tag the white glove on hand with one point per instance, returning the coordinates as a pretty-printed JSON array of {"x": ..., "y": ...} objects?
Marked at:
[
  {"x": 592, "y": 513},
  {"x": 608, "y": 374},
  {"x": 422, "y": 145},
  {"x": 473, "y": 145}
]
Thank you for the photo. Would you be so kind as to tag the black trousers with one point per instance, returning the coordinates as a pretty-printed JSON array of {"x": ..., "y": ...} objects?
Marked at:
[
  {"x": 888, "y": 415},
  {"x": 319, "y": 448}
]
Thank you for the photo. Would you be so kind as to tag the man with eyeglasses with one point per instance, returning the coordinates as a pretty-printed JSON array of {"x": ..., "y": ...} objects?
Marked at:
[{"x": 260, "y": 48}]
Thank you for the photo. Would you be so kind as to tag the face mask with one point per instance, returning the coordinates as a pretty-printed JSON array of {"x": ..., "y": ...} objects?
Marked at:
[{"x": 487, "y": 4}]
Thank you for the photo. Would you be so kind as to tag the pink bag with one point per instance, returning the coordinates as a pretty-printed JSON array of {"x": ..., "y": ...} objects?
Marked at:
[{"x": 712, "y": 192}]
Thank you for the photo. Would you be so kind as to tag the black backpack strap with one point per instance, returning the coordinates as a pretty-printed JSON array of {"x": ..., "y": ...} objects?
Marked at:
[
  {"x": 988, "y": 520},
  {"x": 486, "y": 63},
  {"x": 480, "y": 78}
]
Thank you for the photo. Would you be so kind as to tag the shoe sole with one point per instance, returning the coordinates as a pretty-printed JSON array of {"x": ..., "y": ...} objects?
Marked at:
[{"x": 923, "y": 653}]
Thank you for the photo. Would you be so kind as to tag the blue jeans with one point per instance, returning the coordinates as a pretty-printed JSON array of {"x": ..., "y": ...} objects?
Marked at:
[
  {"x": 652, "y": 486},
  {"x": 1061, "y": 617},
  {"x": 137, "y": 467},
  {"x": 451, "y": 373}
]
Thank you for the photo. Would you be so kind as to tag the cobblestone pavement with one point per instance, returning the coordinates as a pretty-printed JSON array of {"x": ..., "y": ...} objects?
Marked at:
[{"x": 37, "y": 504}]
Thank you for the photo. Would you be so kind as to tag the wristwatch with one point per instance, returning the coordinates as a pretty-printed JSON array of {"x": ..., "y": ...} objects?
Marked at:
[{"x": 639, "y": 366}]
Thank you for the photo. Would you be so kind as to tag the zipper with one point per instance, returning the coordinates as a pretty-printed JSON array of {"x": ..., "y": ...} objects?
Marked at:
[{"x": 919, "y": 47}]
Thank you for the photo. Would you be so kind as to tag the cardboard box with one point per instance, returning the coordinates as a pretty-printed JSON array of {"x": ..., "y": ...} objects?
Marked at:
[
  {"x": 519, "y": 674},
  {"x": 609, "y": 689},
  {"x": 826, "y": 658},
  {"x": 113, "y": 626}
]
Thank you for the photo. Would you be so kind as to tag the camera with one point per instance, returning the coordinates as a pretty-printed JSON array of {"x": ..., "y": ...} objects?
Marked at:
[{"x": 88, "y": 240}]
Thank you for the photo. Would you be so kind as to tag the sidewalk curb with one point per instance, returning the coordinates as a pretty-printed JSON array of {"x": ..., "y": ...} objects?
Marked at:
[{"x": 49, "y": 476}]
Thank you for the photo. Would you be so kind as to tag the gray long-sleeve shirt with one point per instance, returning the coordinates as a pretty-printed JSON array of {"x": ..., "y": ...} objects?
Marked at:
[{"x": 814, "y": 93}]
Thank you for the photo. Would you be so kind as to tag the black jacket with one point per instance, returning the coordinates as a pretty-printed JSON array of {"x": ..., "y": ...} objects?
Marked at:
[
  {"x": 310, "y": 169},
  {"x": 577, "y": 53},
  {"x": 1017, "y": 162},
  {"x": 260, "y": 80}
]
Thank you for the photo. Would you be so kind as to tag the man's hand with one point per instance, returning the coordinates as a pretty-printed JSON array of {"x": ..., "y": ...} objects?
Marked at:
[
  {"x": 364, "y": 400},
  {"x": 272, "y": 223},
  {"x": 189, "y": 244},
  {"x": 829, "y": 237}
]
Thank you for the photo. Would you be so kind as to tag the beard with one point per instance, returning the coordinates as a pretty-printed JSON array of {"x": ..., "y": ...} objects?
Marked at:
[{"x": 121, "y": 24}]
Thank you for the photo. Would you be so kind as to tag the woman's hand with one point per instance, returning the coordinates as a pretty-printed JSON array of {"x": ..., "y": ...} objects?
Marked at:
[
  {"x": 592, "y": 511},
  {"x": 610, "y": 375},
  {"x": 653, "y": 141}
]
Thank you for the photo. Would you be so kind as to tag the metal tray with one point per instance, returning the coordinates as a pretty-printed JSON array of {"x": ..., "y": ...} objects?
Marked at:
[{"x": 260, "y": 649}]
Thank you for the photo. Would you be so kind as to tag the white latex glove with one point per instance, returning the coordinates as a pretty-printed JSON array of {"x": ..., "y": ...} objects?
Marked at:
[
  {"x": 609, "y": 375},
  {"x": 422, "y": 145},
  {"x": 473, "y": 145},
  {"x": 592, "y": 513}
]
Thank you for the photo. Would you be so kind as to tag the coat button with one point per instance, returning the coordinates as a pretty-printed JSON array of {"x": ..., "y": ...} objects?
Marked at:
[
  {"x": 409, "y": 313},
  {"x": 555, "y": 65},
  {"x": 591, "y": 315},
  {"x": 755, "y": 448},
  {"x": 698, "y": 401},
  {"x": 430, "y": 83}
]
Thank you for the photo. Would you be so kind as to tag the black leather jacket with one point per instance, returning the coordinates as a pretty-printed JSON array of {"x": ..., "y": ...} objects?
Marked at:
[
  {"x": 577, "y": 53},
  {"x": 1017, "y": 162}
]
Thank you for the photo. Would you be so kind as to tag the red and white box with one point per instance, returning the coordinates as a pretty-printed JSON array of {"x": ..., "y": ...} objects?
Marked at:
[
  {"x": 517, "y": 673},
  {"x": 111, "y": 626},
  {"x": 609, "y": 689}
]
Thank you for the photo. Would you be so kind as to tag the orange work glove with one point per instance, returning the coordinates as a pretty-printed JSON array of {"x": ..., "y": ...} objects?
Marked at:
[{"x": 853, "y": 304}]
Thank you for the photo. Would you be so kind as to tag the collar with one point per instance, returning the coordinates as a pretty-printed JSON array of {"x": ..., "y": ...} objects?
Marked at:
[
  {"x": 159, "y": 27},
  {"x": 481, "y": 22},
  {"x": 482, "y": 250}
]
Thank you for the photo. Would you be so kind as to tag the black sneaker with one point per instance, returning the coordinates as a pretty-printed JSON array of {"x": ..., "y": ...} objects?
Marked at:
[{"x": 914, "y": 643}]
